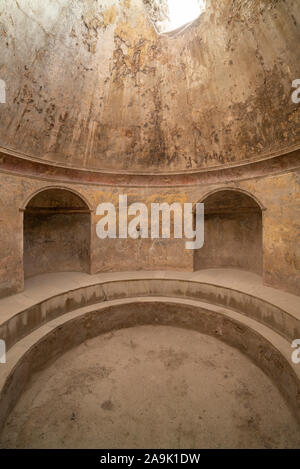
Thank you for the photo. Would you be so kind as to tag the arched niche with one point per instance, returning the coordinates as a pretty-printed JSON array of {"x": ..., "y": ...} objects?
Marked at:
[
  {"x": 56, "y": 233},
  {"x": 233, "y": 232}
]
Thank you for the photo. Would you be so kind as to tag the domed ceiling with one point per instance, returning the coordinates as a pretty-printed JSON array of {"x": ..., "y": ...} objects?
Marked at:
[{"x": 90, "y": 84}]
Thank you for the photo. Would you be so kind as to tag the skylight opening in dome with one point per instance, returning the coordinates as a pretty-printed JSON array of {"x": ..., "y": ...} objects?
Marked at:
[{"x": 181, "y": 13}]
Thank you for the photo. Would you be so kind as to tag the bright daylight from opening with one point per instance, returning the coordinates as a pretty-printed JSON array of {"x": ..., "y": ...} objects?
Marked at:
[{"x": 181, "y": 13}]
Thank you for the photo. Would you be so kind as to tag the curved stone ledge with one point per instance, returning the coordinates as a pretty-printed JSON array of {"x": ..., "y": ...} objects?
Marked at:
[
  {"x": 17, "y": 164},
  {"x": 18, "y": 325},
  {"x": 263, "y": 346}
]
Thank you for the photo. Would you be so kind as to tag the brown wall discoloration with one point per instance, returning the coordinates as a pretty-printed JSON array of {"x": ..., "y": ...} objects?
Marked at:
[
  {"x": 281, "y": 227},
  {"x": 56, "y": 233},
  {"x": 91, "y": 85},
  {"x": 233, "y": 233},
  {"x": 56, "y": 243}
]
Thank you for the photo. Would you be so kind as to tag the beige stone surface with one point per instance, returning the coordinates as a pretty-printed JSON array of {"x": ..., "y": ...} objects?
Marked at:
[
  {"x": 53, "y": 295},
  {"x": 99, "y": 105},
  {"x": 90, "y": 84},
  {"x": 151, "y": 387},
  {"x": 278, "y": 195}
]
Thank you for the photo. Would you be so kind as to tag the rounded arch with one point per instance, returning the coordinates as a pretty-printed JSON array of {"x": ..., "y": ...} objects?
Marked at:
[
  {"x": 30, "y": 197},
  {"x": 233, "y": 231},
  {"x": 234, "y": 189},
  {"x": 56, "y": 232}
]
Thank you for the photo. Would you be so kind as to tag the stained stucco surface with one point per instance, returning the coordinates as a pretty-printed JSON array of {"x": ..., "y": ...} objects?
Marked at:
[
  {"x": 90, "y": 83},
  {"x": 279, "y": 195}
]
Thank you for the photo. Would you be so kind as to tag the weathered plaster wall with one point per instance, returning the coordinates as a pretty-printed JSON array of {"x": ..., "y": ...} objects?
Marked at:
[
  {"x": 11, "y": 236},
  {"x": 233, "y": 233},
  {"x": 281, "y": 228},
  {"x": 56, "y": 234},
  {"x": 90, "y": 84}
]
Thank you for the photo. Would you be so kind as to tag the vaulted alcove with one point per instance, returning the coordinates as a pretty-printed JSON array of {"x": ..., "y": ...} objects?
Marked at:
[
  {"x": 56, "y": 233},
  {"x": 233, "y": 232}
]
